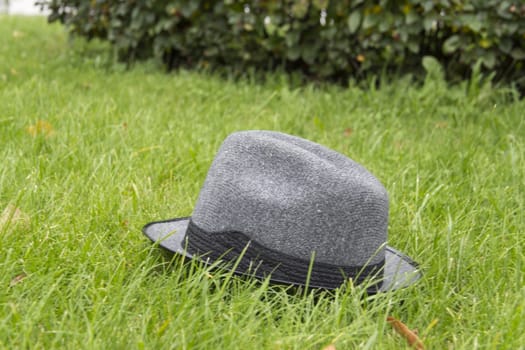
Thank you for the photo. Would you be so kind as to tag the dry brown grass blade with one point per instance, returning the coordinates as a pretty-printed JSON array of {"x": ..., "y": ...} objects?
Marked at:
[
  {"x": 13, "y": 216},
  {"x": 41, "y": 127},
  {"x": 17, "y": 279},
  {"x": 348, "y": 132},
  {"x": 411, "y": 337},
  {"x": 18, "y": 34}
]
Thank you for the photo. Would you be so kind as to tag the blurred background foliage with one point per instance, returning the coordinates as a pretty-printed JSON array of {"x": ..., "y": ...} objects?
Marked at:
[{"x": 323, "y": 39}]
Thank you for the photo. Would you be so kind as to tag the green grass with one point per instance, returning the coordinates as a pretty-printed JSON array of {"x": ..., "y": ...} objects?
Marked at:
[{"x": 128, "y": 147}]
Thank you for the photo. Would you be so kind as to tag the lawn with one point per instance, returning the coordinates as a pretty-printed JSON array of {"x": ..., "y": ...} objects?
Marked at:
[{"x": 90, "y": 152}]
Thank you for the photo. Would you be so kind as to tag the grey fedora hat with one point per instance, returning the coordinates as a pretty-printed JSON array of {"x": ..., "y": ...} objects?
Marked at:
[{"x": 294, "y": 210}]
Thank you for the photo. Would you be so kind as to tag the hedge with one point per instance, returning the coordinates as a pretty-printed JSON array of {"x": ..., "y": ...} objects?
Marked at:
[{"x": 322, "y": 38}]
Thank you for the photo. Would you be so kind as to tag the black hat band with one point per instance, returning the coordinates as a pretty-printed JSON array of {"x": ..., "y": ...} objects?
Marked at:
[{"x": 262, "y": 261}]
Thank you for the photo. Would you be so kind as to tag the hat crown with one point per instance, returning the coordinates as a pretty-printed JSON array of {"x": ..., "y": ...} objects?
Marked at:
[{"x": 296, "y": 197}]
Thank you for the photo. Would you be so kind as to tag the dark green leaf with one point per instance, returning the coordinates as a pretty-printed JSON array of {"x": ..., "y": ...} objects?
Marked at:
[
  {"x": 293, "y": 53},
  {"x": 489, "y": 59},
  {"x": 300, "y": 8},
  {"x": 451, "y": 44},
  {"x": 354, "y": 20},
  {"x": 518, "y": 54},
  {"x": 320, "y": 4}
]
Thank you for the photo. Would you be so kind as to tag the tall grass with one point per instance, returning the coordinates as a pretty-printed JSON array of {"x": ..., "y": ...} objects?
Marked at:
[{"x": 90, "y": 152}]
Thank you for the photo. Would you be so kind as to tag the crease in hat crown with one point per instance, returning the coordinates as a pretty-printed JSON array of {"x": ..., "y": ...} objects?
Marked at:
[{"x": 296, "y": 197}]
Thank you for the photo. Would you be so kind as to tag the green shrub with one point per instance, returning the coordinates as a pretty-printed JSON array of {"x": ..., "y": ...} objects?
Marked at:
[{"x": 322, "y": 38}]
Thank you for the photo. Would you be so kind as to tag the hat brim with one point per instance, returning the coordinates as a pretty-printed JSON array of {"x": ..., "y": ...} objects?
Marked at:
[{"x": 399, "y": 271}]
